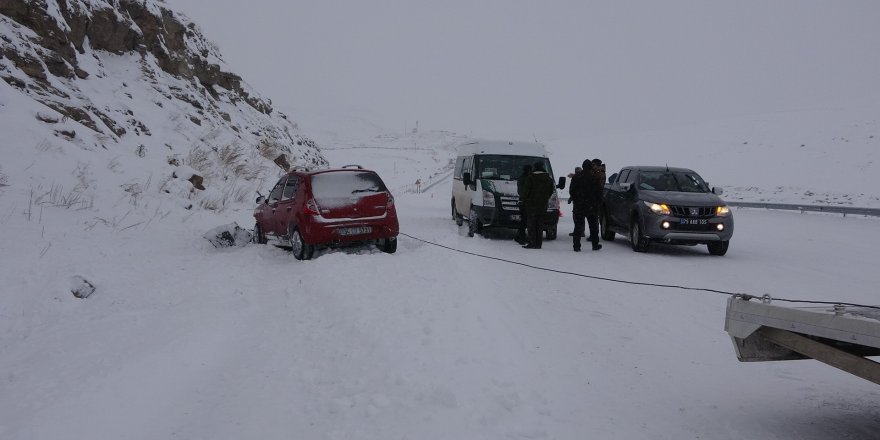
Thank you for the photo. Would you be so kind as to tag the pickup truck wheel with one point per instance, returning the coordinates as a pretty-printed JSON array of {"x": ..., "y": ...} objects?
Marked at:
[
  {"x": 607, "y": 234},
  {"x": 300, "y": 249},
  {"x": 639, "y": 243},
  {"x": 259, "y": 237},
  {"x": 474, "y": 226},
  {"x": 718, "y": 248}
]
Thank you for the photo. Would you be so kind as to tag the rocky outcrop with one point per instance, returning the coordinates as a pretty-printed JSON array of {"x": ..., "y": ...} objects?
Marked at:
[{"x": 48, "y": 48}]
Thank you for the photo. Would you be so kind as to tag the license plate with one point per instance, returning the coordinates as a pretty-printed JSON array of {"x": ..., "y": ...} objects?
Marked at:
[
  {"x": 515, "y": 217},
  {"x": 354, "y": 231},
  {"x": 694, "y": 221}
]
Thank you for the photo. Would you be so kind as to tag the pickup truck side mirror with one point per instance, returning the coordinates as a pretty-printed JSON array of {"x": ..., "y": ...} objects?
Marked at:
[
  {"x": 612, "y": 178},
  {"x": 561, "y": 184},
  {"x": 626, "y": 186},
  {"x": 466, "y": 179},
  {"x": 717, "y": 190}
]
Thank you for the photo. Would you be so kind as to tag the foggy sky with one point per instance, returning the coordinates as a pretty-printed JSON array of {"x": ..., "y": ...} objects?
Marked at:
[{"x": 549, "y": 68}]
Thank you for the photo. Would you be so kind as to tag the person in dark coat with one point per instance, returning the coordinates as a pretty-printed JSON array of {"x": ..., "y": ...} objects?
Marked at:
[
  {"x": 521, "y": 237},
  {"x": 586, "y": 195},
  {"x": 537, "y": 190}
]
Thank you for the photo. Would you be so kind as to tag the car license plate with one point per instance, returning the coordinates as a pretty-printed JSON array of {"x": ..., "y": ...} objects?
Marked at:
[
  {"x": 515, "y": 217},
  {"x": 694, "y": 221},
  {"x": 354, "y": 231}
]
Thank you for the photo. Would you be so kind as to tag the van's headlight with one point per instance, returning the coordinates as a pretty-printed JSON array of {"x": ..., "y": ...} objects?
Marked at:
[
  {"x": 488, "y": 199},
  {"x": 658, "y": 208},
  {"x": 722, "y": 211}
]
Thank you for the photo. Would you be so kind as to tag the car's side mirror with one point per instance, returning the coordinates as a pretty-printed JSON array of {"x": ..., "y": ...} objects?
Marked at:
[
  {"x": 717, "y": 190},
  {"x": 260, "y": 199},
  {"x": 612, "y": 178},
  {"x": 466, "y": 179},
  {"x": 561, "y": 184},
  {"x": 626, "y": 186}
]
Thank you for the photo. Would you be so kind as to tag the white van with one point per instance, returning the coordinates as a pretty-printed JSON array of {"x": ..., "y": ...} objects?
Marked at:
[{"x": 484, "y": 185}]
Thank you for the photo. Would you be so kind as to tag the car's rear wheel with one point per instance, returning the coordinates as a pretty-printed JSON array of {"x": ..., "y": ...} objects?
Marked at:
[
  {"x": 300, "y": 249},
  {"x": 259, "y": 237},
  {"x": 607, "y": 234},
  {"x": 474, "y": 225},
  {"x": 388, "y": 245},
  {"x": 639, "y": 243},
  {"x": 718, "y": 248},
  {"x": 551, "y": 233}
]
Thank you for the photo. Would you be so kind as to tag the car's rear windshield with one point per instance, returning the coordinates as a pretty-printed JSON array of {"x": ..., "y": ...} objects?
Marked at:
[
  {"x": 335, "y": 184},
  {"x": 502, "y": 167},
  {"x": 679, "y": 181}
]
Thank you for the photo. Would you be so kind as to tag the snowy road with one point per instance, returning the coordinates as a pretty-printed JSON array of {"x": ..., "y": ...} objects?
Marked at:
[{"x": 426, "y": 343}]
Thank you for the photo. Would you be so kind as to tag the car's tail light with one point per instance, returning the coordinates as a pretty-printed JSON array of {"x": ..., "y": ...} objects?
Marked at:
[
  {"x": 390, "y": 203},
  {"x": 312, "y": 207}
]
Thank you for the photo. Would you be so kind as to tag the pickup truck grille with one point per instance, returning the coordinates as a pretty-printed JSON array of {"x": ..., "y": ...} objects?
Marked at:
[
  {"x": 692, "y": 211},
  {"x": 509, "y": 203}
]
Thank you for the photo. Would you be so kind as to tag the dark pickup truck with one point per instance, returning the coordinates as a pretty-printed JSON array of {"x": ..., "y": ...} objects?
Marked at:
[{"x": 665, "y": 205}]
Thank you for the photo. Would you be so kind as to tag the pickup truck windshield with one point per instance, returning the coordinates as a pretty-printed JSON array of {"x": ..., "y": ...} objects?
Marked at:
[
  {"x": 672, "y": 181},
  {"x": 501, "y": 167}
]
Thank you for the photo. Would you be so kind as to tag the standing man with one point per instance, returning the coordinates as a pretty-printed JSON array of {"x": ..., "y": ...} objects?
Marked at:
[
  {"x": 586, "y": 193},
  {"x": 537, "y": 190},
  {"x": 521, "y": 237}
]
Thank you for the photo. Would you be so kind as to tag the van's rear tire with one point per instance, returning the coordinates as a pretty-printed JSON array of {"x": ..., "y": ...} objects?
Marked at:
[{"x": 458, "y": 220}]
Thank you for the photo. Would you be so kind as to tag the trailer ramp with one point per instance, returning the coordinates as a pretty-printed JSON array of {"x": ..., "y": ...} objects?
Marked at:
[{"x": 841, "y": 336}]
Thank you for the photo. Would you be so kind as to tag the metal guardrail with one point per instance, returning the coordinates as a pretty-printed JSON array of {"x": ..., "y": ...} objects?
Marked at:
[{"x": 845, "y": 210}]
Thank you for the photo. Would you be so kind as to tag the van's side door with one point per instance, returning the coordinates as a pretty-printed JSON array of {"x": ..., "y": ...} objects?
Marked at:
[{"x": 463, "y": 202}]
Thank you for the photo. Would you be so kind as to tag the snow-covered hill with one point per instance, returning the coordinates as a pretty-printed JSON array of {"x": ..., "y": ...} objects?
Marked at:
[{"x": 104, "y": 100}]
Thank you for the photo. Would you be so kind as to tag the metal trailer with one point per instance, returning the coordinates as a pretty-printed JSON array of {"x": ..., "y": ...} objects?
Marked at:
[{"x": 841, "y": 336}]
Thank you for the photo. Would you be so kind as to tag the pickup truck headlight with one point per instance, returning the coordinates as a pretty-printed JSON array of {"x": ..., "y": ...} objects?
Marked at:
[
  {"x": 658, "y": 208},
  {"x": 488, "y": 199},
  {"x": 722, "y": 211}
]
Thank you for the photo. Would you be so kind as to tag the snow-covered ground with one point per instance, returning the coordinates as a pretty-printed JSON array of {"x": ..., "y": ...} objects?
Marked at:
[{"x": 182, "y": 340}]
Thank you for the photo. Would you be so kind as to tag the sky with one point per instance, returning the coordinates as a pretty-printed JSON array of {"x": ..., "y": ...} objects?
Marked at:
[{"x": 549, "y": 68}]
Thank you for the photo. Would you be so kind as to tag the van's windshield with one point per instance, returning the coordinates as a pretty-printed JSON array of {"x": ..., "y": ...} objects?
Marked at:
[{"x": 501, "y": 167}]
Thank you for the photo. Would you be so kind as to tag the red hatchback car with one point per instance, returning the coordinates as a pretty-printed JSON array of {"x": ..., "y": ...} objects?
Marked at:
[{"x": 327, "y": 208}]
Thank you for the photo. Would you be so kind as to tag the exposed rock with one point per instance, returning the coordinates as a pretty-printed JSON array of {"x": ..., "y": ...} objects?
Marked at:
[
  {"x": 228, "y": 236},
  {"x": 80, "y": 287},
  {"x": 282, "y": 162},
  {"x": 69, "y": 134},
  {"x": 197, "y": 181}
]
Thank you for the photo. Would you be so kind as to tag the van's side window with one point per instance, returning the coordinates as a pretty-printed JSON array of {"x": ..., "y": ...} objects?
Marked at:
[
  {"x": 459, "y": 164},
  {"x": 468, "y": 166}
]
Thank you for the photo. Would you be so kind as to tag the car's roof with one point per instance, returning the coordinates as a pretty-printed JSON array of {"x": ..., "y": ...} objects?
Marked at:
[
  {"x": 513, "y": 148},
  {"x": 658, "y": 168},
  {"x": 331, "y": 170}
]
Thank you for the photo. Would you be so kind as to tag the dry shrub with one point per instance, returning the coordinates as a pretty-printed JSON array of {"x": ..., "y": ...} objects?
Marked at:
[{"x": 198, "y": 159}]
